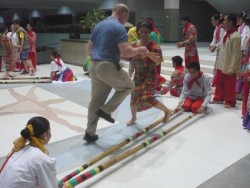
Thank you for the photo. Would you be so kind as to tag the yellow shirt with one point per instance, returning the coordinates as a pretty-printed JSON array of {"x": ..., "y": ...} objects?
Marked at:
[{"x": 132, "y": 35}]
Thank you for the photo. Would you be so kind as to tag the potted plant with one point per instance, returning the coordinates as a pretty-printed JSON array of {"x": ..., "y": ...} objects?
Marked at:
[{"x": 92, "y": 18}]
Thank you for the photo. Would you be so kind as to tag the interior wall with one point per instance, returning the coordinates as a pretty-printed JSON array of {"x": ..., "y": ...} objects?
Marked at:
[{"x": 200, "y": 15}]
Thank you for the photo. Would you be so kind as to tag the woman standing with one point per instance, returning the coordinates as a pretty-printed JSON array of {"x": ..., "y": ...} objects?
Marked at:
[
  {"x": 16, "y": 55},
  {"x": 7, "y": 57},
  {"x": 32, "y": 45},
  {"x": 29, "y": 165},
  {"x": 243, "y": 86},
  {"x": 189, "y": 41},
  {"x": 146, "y": 76},
  {"x": 219, "y": 31}
]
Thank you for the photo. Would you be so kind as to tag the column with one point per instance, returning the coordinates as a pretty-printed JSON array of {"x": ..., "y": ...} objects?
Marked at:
[{"x": 172, "y": 25}]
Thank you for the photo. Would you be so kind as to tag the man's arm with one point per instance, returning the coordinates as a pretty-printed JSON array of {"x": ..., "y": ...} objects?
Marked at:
[
  {"x": 89, "y": 46},
  {"x": 128, "y": 51}
]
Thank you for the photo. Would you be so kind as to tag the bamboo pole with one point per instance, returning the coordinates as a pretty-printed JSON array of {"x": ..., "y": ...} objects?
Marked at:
[
  {"x": 26, "y": 78},
  {"x": 24, "y": 81},
  {"x": 87, "y": 175},
  {"x": 112, "y": 149}
]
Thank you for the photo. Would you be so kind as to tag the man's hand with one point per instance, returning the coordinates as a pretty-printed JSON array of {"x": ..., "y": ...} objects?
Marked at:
[{"x": 201, "y": 110}]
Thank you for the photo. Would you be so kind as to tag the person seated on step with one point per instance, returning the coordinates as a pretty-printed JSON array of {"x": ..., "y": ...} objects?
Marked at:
[
  {"x": 29, "y": 165},
  {"x": 176, "y": 82},
  {"x": 196, "y": 91},
  {"x": 59, "y": 71},
  {"x": 146, "y": 75}
]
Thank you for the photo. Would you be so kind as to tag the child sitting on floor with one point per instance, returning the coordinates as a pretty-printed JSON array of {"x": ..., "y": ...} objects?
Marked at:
[
  {"x": 176, "y": 82},
  {"x": 59, "y": 71}
]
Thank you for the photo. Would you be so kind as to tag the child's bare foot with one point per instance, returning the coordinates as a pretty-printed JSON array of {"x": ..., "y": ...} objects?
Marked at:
[
  {"x": 167, "y": 116},
  {"x": 131, "y": 122}
]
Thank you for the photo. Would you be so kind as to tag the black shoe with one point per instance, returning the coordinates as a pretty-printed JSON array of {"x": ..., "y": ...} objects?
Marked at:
[
  {"x": 105, "y": 116},
  {"x": 87, "y": 137}
]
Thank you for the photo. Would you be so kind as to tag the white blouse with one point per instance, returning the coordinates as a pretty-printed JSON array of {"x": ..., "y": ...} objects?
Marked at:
[
  {"x": 13, "y": 37},
  {"x": 55, "y": 67},
  {"x": 29, "y": 168},
  {"x": 221, "y": 34},
  {"x": 244, "y": 34}
]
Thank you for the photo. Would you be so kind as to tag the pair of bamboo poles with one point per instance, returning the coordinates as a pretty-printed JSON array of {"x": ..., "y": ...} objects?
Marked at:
[
  {"x": 30, "y": 79},
  {"x": 87, "y": 175}
]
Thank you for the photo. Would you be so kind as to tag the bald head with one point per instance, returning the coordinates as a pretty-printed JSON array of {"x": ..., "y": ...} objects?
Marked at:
[
  {"x": 120, "y": 8},
  {"x": 121, "y": 12}
]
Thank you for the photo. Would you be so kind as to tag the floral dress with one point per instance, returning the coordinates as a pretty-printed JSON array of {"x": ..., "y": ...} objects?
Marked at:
[{"x": 145, "y": 79}]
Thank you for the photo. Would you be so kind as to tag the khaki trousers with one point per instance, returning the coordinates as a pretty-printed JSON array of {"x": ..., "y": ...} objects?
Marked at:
[{"x": 104, "y": 77}]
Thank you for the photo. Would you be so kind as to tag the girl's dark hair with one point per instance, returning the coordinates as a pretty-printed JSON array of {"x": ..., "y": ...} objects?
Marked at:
[
  {"x": 242, "y": 15},
  {"x": 143, "y": 24},
  {"x": 194, "y": 65},
  {"x": 185, "y": 18},
  {"x": 177, "y": 60},
  {"x": 232, "y": 17},
  {"x": 31, "y": 25},
  {"x": 40, "y": 125},
  {"x": 218, "y": 17},
  {"x": 3, "y": 29},
  {"x": 55, "y": 53}
]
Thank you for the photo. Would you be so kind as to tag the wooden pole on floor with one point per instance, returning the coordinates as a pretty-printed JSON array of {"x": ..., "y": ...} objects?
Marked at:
[
  {"x": 87, "y": 175},
  {"x": 112, "y": 149},
  {"x": 25, "y": 81},
  {"x": 26, "y": 78}
]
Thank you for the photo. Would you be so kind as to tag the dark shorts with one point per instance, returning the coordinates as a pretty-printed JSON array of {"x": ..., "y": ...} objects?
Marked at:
[{"x": 24, "y": 55}]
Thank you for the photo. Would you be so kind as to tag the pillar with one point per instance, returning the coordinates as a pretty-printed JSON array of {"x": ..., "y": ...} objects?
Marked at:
[{"x": 172, "y": 27}]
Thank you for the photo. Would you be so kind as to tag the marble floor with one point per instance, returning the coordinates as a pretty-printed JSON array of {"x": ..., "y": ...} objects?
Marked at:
[{"x": 199, "y": 150}]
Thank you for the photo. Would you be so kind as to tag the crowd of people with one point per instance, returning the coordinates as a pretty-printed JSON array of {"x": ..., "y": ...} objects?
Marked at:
[
  {"x": 18, "y": 49},
  {"x": 109, "y": 43},
  {"x": 18, "y": 54}
]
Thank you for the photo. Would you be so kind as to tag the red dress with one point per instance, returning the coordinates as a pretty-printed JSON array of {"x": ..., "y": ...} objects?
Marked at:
[
  {"x": 191, "y": 52},
  {"x": 145, "y": 80},
  {"x": 32, "y": 47}
]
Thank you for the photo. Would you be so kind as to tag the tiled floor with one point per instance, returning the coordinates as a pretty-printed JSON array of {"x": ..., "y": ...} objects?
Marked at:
[{"x": 195, "y": 152}]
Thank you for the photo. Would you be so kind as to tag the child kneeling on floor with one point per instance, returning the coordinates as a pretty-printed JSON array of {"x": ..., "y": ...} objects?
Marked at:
[{"x": 59, "y": 71}]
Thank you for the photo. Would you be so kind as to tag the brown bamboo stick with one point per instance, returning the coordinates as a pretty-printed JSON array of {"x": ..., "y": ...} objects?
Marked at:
[
  {"x": 87, "y": 175},
  {"x": 112, "y": 149},
  {"x": 25, "y": 81},
  {"x": 26, "y": 78}
]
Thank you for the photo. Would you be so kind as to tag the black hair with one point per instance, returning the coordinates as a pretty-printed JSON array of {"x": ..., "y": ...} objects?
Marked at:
[
  {"x": 218, "y": 17},
  {"x": 16, "y": 21},
  {"x": 242, "y": 15},
  {"x": 3, "y": 28},
  {"x": 232, "y": 17},
  {"x": 143, "y": 24},
  {"x": 31, "y": 25},
  {"x": 185, "y": 18},
  {"x": 55, "y": 53},
  {"x": 177, "y": 60},
  {"x": 194, "y": 65},
  {"x": 40, "y": 125}
]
